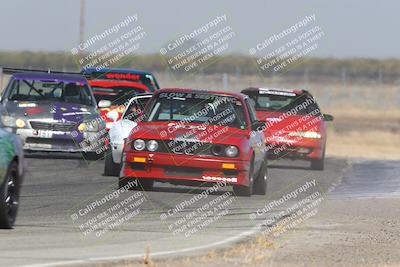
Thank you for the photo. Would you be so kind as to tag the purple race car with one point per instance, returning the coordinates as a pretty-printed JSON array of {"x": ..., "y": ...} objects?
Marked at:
[{"x": 53, "y": 112}]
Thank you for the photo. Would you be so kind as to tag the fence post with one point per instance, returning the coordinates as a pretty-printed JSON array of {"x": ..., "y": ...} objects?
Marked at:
[
  {"x": 167, "y": 76},
  {"x": 326, "y": 97},
  {"x": 1, "y": 79},
  {"x": 398, "y": 98},
  {"x": 380, "y": 102},
  {"x": 306, "y": 78},
  {"x": 380, "y": 76},
  {"x": 344, "y": 77},
  {"x": 225, "y": 81}
]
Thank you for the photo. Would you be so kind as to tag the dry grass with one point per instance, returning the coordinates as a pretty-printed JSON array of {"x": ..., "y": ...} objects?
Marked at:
[
  {"x": 251, "y": 253},
  {"x": 364, "y": 114},
  {"x": 380, "y": 145},
  {"x": 147, "y": 261}
]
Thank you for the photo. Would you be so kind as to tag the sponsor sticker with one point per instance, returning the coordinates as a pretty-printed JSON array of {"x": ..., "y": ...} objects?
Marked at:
[
  {"x": 282, "y": 92},
  {"x": 224, "y": 179}
]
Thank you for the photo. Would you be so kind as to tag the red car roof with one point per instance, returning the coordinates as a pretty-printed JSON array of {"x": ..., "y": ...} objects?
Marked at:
[
  {"x": 112, "y": 83},
  {"x": 188, "y": 90},
  {"x": 256, "y": 89}
]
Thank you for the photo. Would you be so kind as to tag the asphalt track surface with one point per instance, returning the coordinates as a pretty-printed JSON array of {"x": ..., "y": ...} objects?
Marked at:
[{"x": 57, "y": 189}]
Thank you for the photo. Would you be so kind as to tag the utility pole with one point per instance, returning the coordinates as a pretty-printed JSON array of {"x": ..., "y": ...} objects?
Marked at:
[{"x": 82, "y": 22}]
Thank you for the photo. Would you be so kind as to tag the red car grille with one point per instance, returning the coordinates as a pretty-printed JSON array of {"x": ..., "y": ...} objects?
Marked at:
[{"x": 186, "y": 147}]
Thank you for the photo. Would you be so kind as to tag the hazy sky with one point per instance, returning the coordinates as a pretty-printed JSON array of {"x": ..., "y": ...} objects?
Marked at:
[{"x": 363, "y": 28}]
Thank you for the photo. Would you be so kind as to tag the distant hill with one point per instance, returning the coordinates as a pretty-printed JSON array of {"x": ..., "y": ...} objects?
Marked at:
[{"x": 386, "y": 70}]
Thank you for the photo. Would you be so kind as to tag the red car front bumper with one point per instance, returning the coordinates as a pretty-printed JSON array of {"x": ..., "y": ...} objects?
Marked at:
[
  {"x": 172, "y": 167},
  {"x": 297, "y": 148}
]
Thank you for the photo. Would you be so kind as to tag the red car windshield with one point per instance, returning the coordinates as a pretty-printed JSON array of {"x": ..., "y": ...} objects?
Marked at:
[
  {"x": 283, "y": 103},
  {"x": 198, "y": 108},
  {"x": 118, "y": 95}
]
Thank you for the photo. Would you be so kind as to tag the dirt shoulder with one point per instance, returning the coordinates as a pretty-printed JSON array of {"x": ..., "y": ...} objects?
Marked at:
[{"x": 356, "y": 232}]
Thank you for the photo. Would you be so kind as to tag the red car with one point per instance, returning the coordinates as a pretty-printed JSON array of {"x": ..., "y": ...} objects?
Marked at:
[
  {"x": 195, "y": 137},
  {"x": 295, "y": 126},
  {"x": 118, "y": 93}
]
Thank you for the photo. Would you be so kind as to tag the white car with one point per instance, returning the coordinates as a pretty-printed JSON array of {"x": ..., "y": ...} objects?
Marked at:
[{"x": 121, "y": 130}]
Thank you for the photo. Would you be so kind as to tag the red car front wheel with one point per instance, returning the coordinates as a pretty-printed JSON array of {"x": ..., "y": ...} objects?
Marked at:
[{"x": 246, "y": 191}]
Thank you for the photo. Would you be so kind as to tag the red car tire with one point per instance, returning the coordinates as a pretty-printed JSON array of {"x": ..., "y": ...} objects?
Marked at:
[
  {"x": 318, "y": 164},
  {"x": 260, "y": 184},
  {"x": 246, "y": 191}
]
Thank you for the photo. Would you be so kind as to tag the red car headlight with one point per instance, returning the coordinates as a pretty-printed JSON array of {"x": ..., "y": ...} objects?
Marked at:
[
  {"x": 313, "y": 135},
  {"x": 231, "y": 151},
  {"x": 225, "y": 151},
  {"x": 152, "y": 145},
  {"x": 139, "y": 144}
]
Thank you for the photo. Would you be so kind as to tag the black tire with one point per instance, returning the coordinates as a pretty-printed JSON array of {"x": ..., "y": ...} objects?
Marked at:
[
  {"x": 122, "y": 181},
  {"x": 92, "y": 156},
  {"x": 260, "y": 184},
  {"x": 9, "y": 193},
  {"x": 142, "y": 184},
  {"x": 146, "y": 184},
  {"x": 110, "y": 167},
  {"x": 318, "y": 164},
  {"x": 246, "y": 191}
]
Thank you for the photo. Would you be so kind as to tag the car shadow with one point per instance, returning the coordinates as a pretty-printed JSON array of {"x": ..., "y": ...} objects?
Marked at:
[
  {"x": 167, "y": 188},
  {"x": 56, "y": 155},
  {"x": 52, "y": 156},
  {"x": 288, "y": 167}
]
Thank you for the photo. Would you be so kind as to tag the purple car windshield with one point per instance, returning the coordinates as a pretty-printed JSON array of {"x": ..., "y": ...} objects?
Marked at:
[{"x": 51, "y": 90}]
